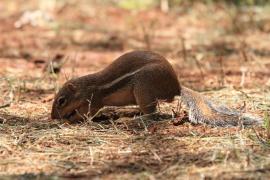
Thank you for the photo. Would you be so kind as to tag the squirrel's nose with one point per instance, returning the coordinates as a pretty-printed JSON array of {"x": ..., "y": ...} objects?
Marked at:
[{"x": 55, "y": 113}]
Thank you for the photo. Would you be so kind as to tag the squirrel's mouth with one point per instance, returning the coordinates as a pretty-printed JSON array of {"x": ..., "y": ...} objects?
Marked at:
[
  {"x": 68, "y": 116},
  {"x": 72, "y": 114},
  {"x": 75, "y": 115}
]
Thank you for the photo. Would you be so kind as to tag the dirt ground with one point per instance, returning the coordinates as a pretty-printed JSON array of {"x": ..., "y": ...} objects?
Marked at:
[{"x": 220, "y": 50}]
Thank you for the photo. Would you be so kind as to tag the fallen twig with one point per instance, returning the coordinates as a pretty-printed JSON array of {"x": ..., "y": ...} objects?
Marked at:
[{"x": 5, "y": 105}]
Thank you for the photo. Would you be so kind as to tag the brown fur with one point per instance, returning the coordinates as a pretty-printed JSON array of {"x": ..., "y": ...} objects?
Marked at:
[
  {"x": 138, "y": 78},
  {"x": 135, "y": 78}
]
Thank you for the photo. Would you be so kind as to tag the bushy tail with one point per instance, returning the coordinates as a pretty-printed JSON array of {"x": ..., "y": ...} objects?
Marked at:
[{"x": 202, "y": 110}]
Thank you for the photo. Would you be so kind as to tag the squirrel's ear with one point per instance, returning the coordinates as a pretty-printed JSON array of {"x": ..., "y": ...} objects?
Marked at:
[{"x": 71, "y": 87}]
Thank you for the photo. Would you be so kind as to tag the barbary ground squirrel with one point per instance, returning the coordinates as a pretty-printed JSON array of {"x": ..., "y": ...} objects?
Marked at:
[{"x": 138, "y": 78}]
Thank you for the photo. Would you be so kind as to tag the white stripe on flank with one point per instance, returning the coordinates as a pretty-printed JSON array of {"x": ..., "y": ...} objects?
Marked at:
[{"x": 117, "y": 80}]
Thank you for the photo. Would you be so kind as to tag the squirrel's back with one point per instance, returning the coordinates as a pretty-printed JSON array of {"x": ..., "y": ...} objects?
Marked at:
[{"x": 130, "y": 62}]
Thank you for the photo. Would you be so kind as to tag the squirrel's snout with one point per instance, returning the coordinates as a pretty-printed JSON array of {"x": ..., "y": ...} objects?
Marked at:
[{"x": 55, "y": 113}]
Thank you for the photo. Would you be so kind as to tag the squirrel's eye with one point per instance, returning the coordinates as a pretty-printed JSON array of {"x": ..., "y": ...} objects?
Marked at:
[{"x": 61, "y": 101}]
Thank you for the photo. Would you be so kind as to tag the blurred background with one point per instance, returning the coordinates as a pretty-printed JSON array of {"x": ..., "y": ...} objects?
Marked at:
[{"x": 211, "y": 43}]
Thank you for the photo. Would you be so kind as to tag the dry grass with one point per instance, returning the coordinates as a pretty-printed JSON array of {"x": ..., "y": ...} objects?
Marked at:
[{"x": 130, "y": 147}]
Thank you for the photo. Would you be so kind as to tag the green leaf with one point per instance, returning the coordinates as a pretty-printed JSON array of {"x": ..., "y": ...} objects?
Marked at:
[{"x": 136, "y": 4}]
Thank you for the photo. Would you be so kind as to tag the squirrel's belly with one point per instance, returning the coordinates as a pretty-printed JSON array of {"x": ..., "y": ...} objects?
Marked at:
[{"x": 121, "y": 97}]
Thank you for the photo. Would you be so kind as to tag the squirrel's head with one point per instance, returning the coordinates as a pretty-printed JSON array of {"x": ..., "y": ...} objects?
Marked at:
[{"x": 69, "y": 103}]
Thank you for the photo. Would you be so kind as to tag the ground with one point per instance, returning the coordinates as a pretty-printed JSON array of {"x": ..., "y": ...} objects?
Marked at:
[{"x": 220, "y": 50}]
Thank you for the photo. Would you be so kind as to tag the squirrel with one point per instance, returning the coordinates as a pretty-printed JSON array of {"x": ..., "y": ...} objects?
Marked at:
[{"x": 138, "y": 78}]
